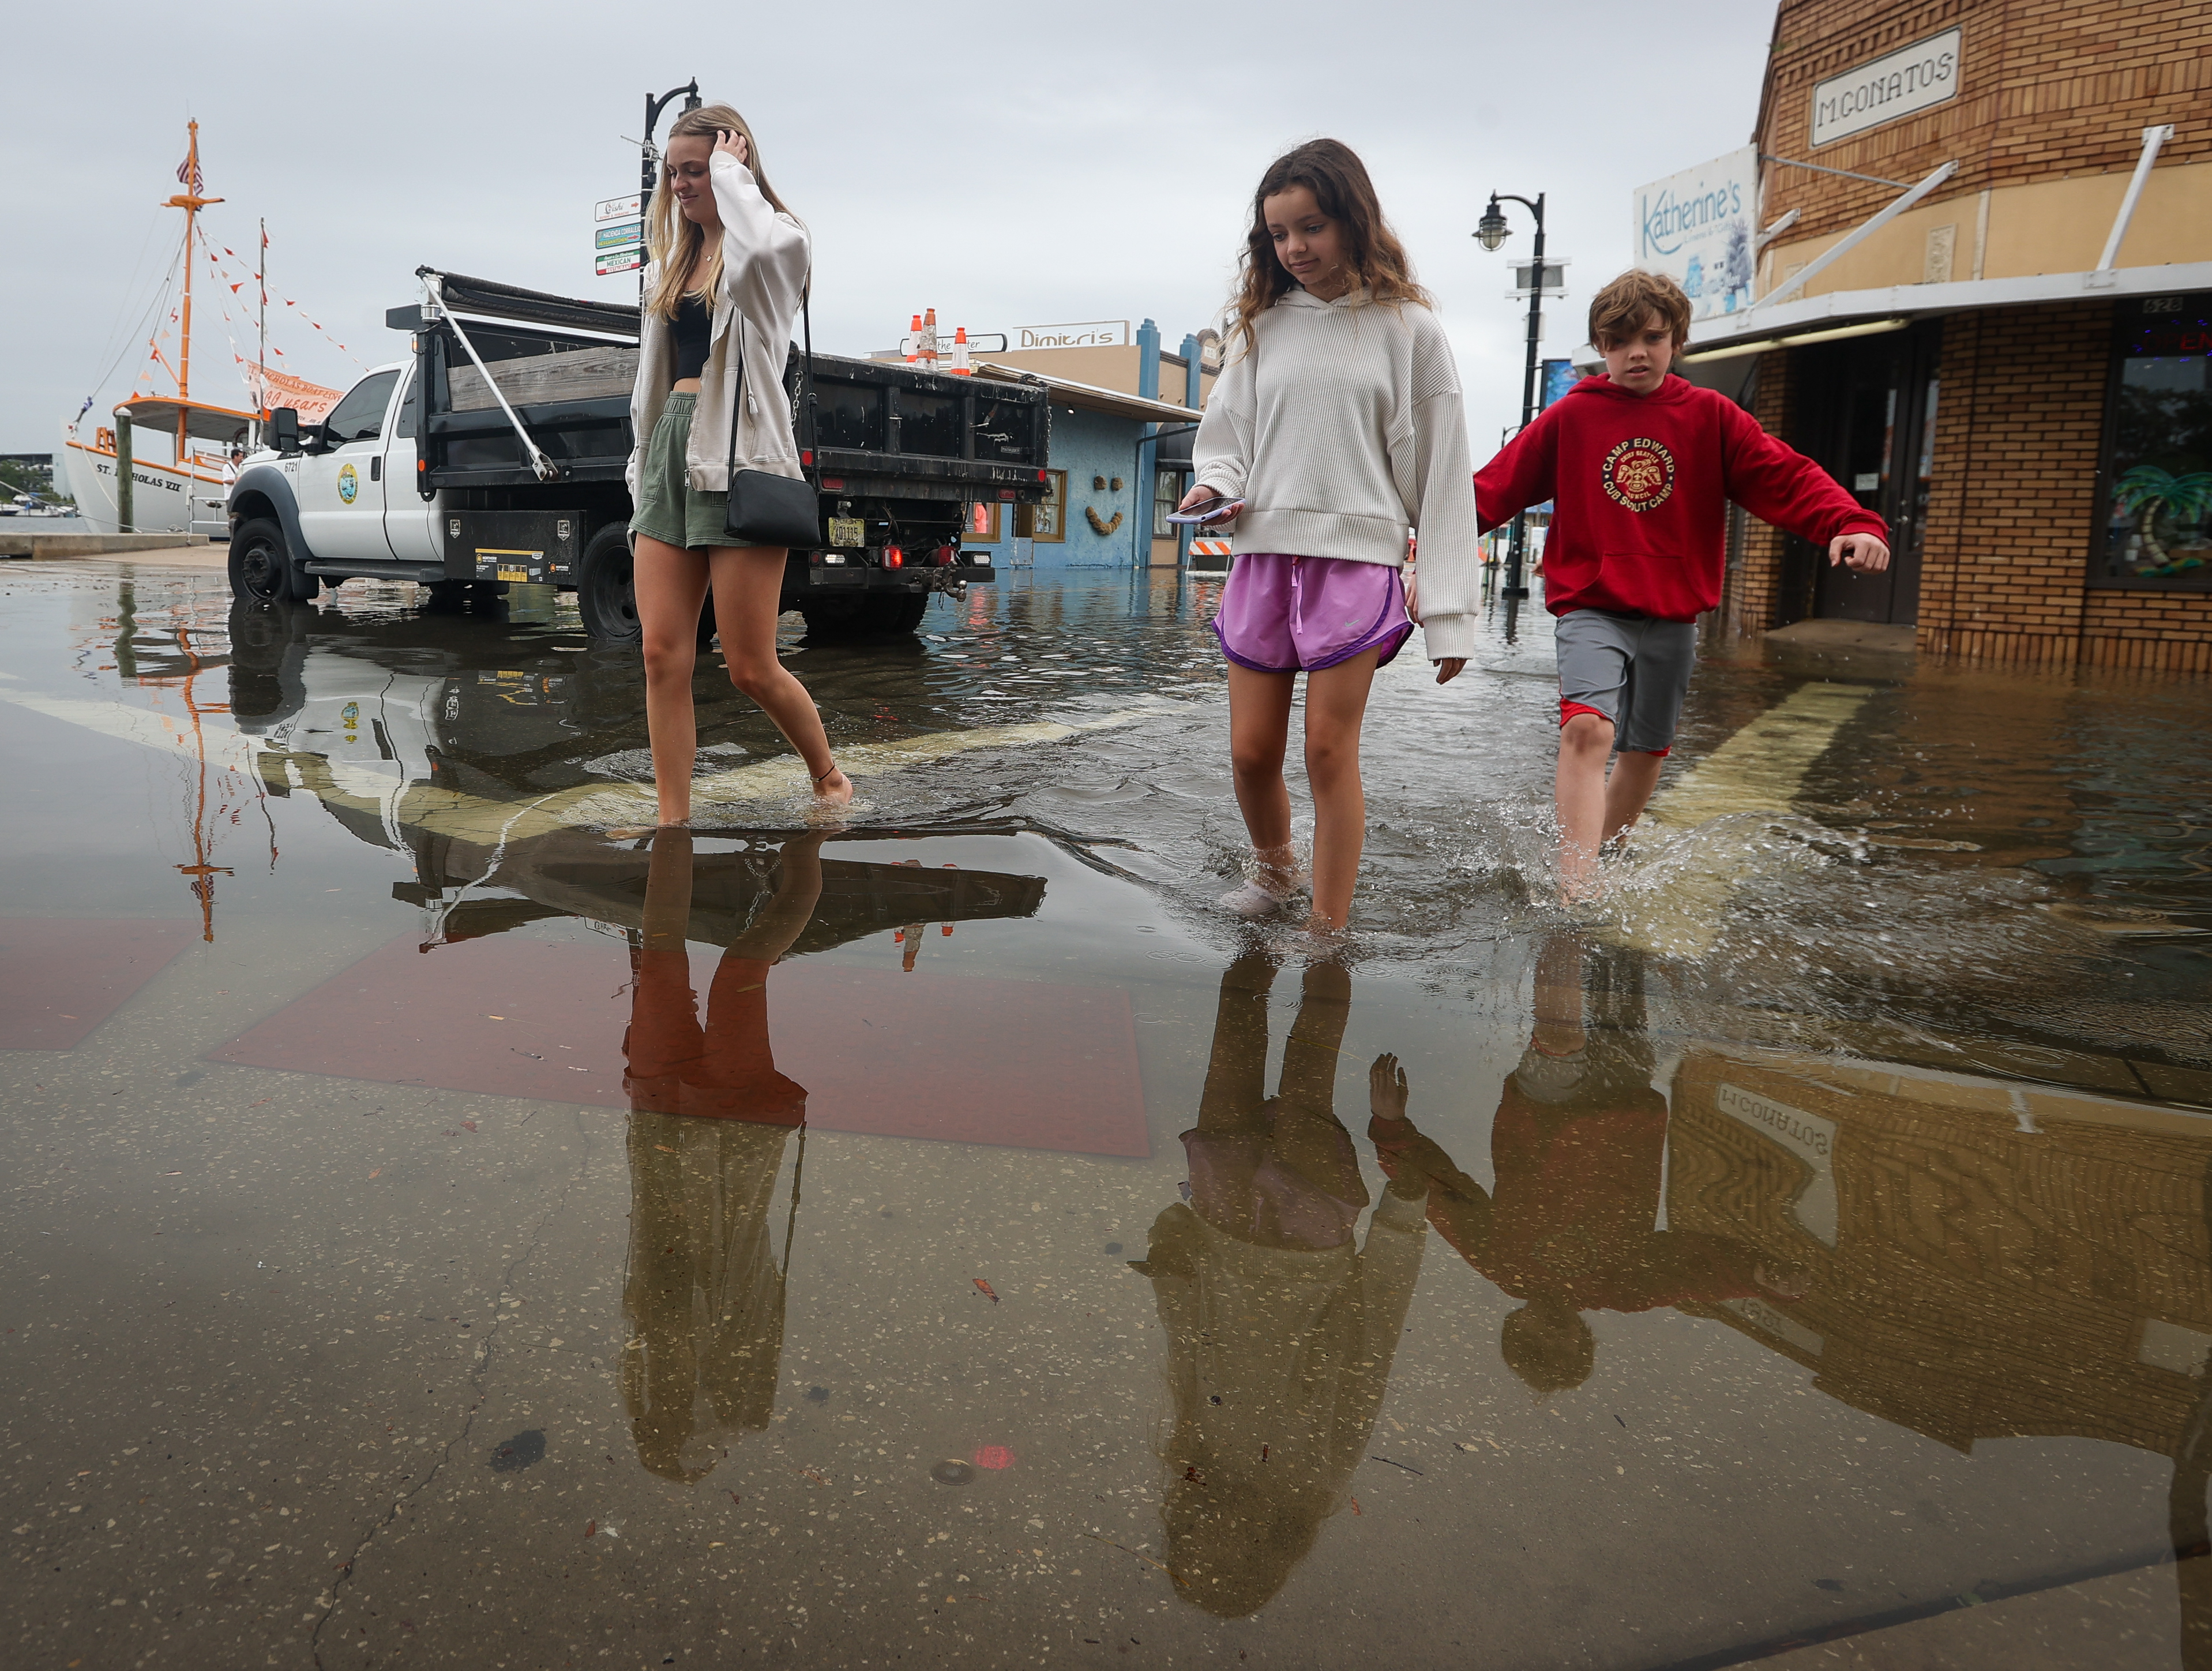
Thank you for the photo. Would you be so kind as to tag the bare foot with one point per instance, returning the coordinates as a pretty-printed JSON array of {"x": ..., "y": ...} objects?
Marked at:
[{"x": 833, "y": 786}]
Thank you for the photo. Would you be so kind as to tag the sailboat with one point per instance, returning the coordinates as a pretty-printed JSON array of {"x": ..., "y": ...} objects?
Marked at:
[{"x": 119, "y": 483}]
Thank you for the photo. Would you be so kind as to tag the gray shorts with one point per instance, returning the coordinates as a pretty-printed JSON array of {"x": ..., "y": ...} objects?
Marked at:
[{"x": 1629, "y": 669}]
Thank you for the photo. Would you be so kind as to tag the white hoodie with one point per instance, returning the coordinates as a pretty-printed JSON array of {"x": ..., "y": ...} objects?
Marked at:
[
  {"x": 765, "y": 262},
  {"x": 1340, "y": 425}
]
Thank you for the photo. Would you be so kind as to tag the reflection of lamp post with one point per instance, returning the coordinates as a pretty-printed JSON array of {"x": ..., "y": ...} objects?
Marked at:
[{"x": 1492, "y": 230}]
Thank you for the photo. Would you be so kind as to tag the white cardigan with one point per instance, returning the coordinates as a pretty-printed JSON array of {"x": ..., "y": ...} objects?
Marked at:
[
  {"x": 765, "y": 254},
  {"x": 1342, "y": 426}
]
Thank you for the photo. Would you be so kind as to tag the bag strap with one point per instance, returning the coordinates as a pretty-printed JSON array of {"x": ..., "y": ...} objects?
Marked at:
[{"x": 805, "y": 385}]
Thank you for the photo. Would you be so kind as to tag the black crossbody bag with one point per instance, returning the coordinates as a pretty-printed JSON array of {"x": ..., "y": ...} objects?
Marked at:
[{"x": 765, "y": 508}]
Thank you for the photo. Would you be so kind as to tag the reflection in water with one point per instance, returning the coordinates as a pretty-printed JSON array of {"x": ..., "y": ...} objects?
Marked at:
[
  {"x": 1280, "y": 1329},
  {"x": 1579, "y": 1148},
  {"x": 710, "y": 1120},
  {"x": 1985, "y": 1259}
]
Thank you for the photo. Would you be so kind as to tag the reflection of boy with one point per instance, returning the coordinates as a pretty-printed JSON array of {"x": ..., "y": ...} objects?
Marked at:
[
  {"x": 1642, "y": 467},
  {"x": 704, "y": 1296},
  {"x": 1280, "y": 1329},
  {"x": 1577, "y": 1148}
]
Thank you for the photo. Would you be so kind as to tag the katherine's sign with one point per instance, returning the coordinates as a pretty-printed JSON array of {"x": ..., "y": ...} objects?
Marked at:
[
  {"x": 1696, "y": 227},
  {"x": 1906, "y": 83}
]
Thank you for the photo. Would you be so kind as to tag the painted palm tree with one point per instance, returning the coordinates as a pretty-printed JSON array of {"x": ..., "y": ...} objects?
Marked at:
[{"x": 2144, "y": 489}]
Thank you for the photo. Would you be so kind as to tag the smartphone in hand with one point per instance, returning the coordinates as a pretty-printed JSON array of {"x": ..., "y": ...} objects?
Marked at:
[{"x": 1218, "y": 510}]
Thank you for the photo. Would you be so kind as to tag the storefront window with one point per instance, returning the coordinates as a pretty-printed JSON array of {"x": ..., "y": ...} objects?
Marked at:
[
  {"x": 1049, "y": 518},
  {"x": 2158, "y": 466},
  {"x": 982, "y": 523},
  {"x": 1167, "y": 492}
]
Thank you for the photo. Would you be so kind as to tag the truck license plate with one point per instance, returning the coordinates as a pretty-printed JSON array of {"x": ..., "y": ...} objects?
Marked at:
[{"x": 847, "y": 530}]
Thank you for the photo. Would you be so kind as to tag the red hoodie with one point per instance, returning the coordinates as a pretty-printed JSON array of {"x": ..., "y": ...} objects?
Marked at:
[{"x": 1641, "y": 485}]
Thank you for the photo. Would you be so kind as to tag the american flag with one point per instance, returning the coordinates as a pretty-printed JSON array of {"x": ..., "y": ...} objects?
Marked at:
[{"x": 188, "y": 172}]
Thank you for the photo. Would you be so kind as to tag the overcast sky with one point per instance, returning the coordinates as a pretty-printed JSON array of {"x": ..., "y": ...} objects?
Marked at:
[{"x": 1008, "y": 165}]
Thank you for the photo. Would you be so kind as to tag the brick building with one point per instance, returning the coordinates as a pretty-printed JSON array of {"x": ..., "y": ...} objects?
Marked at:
[{"x": 2013, "y": 366}]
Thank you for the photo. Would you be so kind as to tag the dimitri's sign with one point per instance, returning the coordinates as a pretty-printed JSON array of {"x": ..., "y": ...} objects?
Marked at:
[
  {"x": 1094, "y": 333},
  {"x": 1695, "y": 227},
  {"x": 1906, "y": 83}
]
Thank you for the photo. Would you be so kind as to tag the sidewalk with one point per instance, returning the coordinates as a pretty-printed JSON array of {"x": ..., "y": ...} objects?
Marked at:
[{"x": 167, "y": 549}]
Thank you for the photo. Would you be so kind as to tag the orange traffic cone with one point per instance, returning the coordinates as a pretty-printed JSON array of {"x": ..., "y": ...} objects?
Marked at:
[
  {"x": 960, "y": 365},
  {"x": 913, "y": 340},
  {"x": 929, "y": 340}
]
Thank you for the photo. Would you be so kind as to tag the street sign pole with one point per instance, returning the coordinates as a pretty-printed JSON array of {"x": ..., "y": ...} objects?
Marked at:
[
  {"x": 1517, "y": 584},
  {"x": 1491, "y": 232}
]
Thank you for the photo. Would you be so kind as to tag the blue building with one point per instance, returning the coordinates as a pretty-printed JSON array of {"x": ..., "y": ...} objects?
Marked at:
[{"x": 1120, "y": 458}]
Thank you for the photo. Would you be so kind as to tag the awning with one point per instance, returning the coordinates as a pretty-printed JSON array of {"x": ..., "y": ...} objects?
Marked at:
[
  {"x": 1798, "y": 318},
  {"x": 203, "y": 422},
  {"x": 1090, "y": 398}
]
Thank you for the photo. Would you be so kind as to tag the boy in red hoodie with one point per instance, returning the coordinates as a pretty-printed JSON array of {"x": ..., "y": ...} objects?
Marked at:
[{"x": 1640, "y": 466}]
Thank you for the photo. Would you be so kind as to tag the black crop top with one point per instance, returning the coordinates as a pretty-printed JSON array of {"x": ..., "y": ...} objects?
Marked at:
[{"x": 695, "y": 327}]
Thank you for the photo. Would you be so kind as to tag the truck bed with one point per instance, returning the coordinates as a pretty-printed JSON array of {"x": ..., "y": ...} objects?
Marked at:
[{"x": 884, "y": 429}]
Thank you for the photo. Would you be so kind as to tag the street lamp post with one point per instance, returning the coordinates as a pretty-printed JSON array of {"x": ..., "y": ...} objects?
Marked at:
[
  {"x": 649, "y": 162},
  {"x": 1492, "y": 230}
]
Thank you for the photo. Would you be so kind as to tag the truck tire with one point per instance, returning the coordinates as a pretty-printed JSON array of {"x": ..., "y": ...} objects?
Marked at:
[
  {"x": 606, "y": 596},
  {"x": 880, "y": 616},
  {"x": 261, "y": 567},
  {"x": 896, "y": 616}
]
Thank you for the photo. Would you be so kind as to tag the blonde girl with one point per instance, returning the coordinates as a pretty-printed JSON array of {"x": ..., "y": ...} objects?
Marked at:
[{"x": 729, "y": 271}]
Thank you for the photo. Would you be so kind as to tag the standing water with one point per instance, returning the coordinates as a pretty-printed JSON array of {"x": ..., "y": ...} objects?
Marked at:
[{"x": 443, "y": 1227}]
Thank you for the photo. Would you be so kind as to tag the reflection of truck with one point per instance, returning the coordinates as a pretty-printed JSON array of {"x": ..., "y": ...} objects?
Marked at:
[
  {"x": 496, "y": 453},
  {"x": 390, "y": 723}
]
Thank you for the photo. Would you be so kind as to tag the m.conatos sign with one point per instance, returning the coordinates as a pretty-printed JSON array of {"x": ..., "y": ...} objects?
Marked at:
[{"x": 1903, "y": 83}]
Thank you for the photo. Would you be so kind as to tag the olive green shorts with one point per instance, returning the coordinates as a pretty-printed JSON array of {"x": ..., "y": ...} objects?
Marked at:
[{"x": 669, "y": 508}]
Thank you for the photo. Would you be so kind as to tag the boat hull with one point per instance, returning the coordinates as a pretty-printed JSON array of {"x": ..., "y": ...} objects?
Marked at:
[{"x": 164, "y": 500}]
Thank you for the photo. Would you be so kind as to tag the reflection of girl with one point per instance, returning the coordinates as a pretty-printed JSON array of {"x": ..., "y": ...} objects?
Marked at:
[
  {"x": 704, "y": 1296},
  {"x": 730, "y": 265},
  {"x": 1280, "y": 1328}
]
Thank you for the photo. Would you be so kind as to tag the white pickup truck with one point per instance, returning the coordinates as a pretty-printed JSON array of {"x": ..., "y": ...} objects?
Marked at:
[{"x": 495, "y": 454}]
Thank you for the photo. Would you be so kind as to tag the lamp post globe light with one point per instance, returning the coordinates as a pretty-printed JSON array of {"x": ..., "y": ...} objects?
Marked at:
[
  {"x": 1491, "y": 232},
  {"x": 1492, "y": 228}
]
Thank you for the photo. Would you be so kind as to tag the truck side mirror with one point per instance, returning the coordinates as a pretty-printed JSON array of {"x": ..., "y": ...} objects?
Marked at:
[{"x": 285, "y": 430}]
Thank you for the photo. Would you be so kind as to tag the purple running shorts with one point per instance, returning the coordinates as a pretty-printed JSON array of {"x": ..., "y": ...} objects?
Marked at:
[{"x": 1287, "y": 615}]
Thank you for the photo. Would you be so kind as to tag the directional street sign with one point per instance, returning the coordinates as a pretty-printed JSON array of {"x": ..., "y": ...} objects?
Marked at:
[
  {"x": 615, "y": 209},
  {"x": 619, "y": 261},
  {"x": 614, "y": 236},
  {"x": 1554, "y": 281}
]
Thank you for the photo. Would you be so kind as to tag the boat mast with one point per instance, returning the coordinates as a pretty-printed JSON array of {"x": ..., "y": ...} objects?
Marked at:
[
  {"x": 261, "y": 371},
  {"x": 192, "y": 203}
]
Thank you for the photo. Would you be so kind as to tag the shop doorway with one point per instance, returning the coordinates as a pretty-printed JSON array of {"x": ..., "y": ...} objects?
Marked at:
[{"x": 1870, "y": 420}]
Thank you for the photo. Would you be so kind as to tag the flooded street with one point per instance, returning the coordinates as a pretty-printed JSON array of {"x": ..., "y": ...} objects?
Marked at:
[{"x": 444, "y": 1230}]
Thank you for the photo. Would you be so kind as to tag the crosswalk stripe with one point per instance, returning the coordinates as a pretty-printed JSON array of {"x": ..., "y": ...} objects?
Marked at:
[
  {"x": 455, "y": 813},
  {"x": 1673, "y": 902}
]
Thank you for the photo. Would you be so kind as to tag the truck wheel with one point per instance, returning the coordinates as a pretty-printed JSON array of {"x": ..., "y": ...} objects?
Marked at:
[
  {"x": 833, "y": 617},
  {"x": 261, "y": 567},
  {"x": 865, "y": 618},
  {"x": 606, "y": 596},
  {"x": 898, "y": 615}
]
